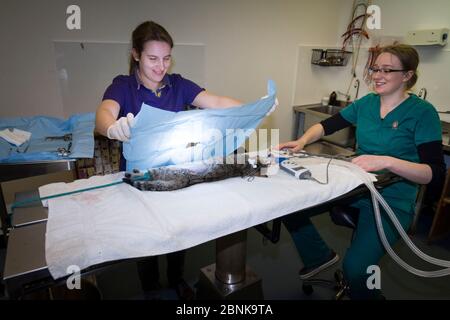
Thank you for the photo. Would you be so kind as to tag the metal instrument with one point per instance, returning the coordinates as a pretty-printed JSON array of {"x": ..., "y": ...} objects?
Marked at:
[
  {"x": 66, "y": 137},
  {"x": 65, "y": 152}
]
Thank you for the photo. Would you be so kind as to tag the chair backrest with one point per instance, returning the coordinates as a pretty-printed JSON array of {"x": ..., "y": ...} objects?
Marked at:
[
  {"x": 417, "y": 208},
  {"x": 440, "y": 227}
]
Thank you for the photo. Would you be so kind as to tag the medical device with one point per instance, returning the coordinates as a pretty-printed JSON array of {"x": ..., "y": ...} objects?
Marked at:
[
  {"x": 291, "y": 162},
  {"x": 293, "y": 167}
]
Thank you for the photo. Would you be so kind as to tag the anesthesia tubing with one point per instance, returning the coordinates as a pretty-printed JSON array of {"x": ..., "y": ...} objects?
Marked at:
[{"x": 376, "y": 199}]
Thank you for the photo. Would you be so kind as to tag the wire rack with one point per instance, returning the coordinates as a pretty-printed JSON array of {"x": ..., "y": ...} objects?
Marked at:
[{"x": 330, "y": 57}]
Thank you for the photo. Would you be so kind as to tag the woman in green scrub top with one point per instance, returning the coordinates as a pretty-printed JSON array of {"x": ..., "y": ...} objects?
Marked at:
[{"x": 395, "y": 131}]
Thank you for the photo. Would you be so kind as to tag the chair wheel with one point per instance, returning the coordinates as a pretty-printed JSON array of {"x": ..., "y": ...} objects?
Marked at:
[
  {"x": 339, "y": 276},
  {"x": 307, "y": 289}
]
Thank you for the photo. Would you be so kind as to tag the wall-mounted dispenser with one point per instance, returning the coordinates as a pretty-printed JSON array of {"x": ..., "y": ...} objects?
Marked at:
[{"x": 427, "y": 37}]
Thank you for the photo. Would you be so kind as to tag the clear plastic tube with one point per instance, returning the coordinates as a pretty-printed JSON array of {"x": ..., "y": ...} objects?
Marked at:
[{"x": 376, "y": 199}]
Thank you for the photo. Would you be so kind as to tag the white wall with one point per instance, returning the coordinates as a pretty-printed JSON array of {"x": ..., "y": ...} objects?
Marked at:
[
  {"x": 247, "y": 42},
  {"x": 397, "y": 18},
  {"x": 400, "y": 16},
  {"x": 85, "y": 69}
]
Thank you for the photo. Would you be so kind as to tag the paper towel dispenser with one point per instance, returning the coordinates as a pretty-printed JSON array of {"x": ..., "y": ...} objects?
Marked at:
[{"x": 427, "y": 37}]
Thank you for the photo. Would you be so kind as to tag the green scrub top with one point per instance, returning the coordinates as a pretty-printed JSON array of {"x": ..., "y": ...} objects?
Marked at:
[{"x": 412, "y": 123}]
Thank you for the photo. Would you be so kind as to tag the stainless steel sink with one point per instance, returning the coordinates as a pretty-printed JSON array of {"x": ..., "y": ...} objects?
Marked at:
[
  {"x": 316, "y": 113},
  {"x": 331, "y": 110}
]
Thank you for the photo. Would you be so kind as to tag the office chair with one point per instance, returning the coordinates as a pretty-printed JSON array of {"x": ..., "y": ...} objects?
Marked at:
[
  {"x": 347, "y": 216},
  {"x": 344, "y": 216},
  {"x": 440, "y": 227}
]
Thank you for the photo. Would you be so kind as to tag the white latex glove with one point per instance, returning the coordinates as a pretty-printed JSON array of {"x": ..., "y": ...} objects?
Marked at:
[
  {"x": 273, "y": 107},
  {"x": 120, "y": 130}
]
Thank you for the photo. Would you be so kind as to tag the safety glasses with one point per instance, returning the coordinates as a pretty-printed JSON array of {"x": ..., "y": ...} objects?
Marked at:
[{"x": 384, "y": 71}]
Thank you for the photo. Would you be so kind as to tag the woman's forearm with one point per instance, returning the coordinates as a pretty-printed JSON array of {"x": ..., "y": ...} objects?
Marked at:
[
  {"x": 209, "y": 100},
  {"x": 416, "y": 172},
  {"x": 227, "y": 102},
  {"x": 103, "y": 119},
  {"x": 105, "y": 116},
  {"x": 312, "y": 134}
]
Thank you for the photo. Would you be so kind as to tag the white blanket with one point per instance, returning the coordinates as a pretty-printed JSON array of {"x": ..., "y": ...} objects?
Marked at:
[{"x": 121, "y": 222}]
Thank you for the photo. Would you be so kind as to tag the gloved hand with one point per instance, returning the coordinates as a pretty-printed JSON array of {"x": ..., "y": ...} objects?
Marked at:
[
  {"x": 120, "y": 130},
  {"x": 273, "y": 107}
]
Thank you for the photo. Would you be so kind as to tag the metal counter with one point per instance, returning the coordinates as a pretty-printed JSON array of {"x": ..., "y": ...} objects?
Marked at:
[
  {"x": 14, "y": 171},
  {"x": 25, "y": 264}
]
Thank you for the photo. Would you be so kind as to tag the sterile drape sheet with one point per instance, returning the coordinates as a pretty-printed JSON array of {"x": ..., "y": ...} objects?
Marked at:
[
  {"x": 161, "y": 138},
  {"x": 121, "y": 222},
  {"x": 81, "y": 126}
]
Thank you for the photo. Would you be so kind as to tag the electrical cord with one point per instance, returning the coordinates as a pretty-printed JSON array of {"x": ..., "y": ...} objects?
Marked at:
[{"x": 327, "y": 171}]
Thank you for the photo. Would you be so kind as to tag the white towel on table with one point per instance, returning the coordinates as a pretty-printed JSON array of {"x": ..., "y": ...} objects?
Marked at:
[{"x": 121, "y": 222}]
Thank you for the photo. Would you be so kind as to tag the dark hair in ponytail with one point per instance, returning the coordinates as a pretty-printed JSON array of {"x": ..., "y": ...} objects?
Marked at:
[{"x": 147, "y": 31}]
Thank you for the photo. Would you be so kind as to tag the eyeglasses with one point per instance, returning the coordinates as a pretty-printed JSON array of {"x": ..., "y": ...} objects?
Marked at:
[{"x": 384, "y": 71}]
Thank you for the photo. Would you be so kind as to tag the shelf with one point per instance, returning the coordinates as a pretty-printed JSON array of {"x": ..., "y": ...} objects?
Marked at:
[{"x": 330, "y": 57}]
